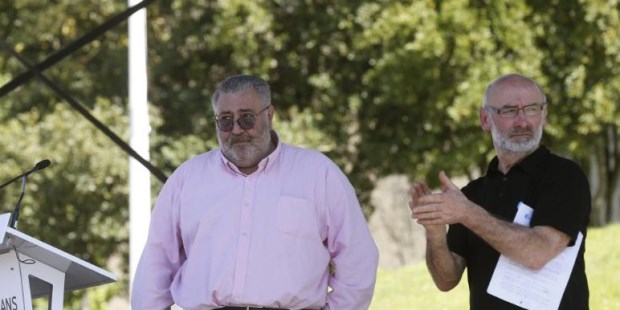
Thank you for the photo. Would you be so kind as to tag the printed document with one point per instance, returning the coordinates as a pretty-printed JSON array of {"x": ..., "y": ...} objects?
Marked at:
[{"x": 529, "y": 288}]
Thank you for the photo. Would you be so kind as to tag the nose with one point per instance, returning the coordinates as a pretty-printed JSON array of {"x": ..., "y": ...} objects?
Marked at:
[
  {"x": 521, "y": 119},
  {"x": 236, "y": 128}
]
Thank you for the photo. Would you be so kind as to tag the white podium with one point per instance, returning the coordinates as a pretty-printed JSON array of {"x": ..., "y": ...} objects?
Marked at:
[{"x": 30, "y": 268}]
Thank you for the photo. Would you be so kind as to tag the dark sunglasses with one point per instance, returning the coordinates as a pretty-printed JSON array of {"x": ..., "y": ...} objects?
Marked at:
[{"x": 246, "y": 121}]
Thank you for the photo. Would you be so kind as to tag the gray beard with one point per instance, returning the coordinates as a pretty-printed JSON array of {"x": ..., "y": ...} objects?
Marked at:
[
  {"x": 505, "y": 144},
  {"x": 249, "y": 153}
]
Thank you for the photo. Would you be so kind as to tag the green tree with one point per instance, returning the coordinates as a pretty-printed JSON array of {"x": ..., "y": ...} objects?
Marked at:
[
  {"x": 79, "y": 203},
  {"x": 580, "y": 47}
]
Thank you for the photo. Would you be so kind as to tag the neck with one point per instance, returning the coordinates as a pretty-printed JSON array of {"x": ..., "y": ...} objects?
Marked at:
[
  {"x": 506, "y": 160},
  {"x": 248, "y": 170}
]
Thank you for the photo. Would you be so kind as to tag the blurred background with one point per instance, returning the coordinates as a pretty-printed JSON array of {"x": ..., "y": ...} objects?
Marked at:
[{"x": 390, "y": 90}]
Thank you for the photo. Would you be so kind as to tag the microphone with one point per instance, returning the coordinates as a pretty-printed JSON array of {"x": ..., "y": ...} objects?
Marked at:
[
  {"x": 39, "y": 166},
  {"x": 15, "y": 214}
]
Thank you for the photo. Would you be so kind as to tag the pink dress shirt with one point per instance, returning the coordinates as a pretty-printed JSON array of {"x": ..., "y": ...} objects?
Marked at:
[{"x": 221, "y": 238}]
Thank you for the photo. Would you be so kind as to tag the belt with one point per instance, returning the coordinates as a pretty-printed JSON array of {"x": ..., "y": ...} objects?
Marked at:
[
  {"x": 250, "y": 308},
  {"x": 246, "y": 308}
]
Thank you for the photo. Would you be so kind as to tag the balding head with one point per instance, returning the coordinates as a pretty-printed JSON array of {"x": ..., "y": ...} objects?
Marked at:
[{"x": 514, "y": 80}]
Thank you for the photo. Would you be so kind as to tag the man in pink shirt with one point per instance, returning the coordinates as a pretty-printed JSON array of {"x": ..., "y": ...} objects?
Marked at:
[{"x": 256, "y": 223}]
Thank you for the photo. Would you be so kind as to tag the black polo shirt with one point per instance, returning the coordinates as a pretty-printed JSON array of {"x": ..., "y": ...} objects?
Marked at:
[{"x": 558, "y": 191}]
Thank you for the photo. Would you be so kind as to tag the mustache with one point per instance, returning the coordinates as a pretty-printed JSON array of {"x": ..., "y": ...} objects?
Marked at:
[
  {"x": 240, "y": 139},
  {"x": 521, "y": 130}
]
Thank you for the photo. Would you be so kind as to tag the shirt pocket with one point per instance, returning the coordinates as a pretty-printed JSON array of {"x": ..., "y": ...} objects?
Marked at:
[{"x": 296, "y": 216}]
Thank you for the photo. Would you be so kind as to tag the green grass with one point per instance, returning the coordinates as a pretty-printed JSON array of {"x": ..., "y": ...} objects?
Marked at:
[{"x": 411, "y": 287}]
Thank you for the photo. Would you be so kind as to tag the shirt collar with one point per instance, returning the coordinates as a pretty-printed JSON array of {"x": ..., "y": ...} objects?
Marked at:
[
  {"x": 270, "y": 160},
  {"x": 529, "y": 164}
]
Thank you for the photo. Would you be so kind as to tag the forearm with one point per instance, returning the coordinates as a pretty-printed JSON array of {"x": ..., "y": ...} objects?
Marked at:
[
  {"x": 532, "y": 247},
  {"x": 445, "y": 269},
  {"x": 354, "y": 276},
  {"x": 346, "y": 297}
]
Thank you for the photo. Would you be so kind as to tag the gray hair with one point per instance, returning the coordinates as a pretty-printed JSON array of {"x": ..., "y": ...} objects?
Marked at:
[
  {"x": 508, "y": 77},
  {"x": 239, "y": 83}
]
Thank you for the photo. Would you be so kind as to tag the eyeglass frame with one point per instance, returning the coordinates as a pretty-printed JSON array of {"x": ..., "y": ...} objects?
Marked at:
[
  {"x": 499, "y": 110},
  {"x": 248, "y": 116}
]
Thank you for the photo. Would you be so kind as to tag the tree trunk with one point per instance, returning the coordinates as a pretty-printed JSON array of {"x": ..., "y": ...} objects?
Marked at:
[
  {"x": 598, "y": 184},
  {"x": 614, "y": 203},
  {"x": 614, "y": 173}
]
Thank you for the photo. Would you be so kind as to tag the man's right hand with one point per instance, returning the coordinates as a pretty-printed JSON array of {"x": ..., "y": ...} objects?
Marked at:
[{"x": 417, "y": 191}]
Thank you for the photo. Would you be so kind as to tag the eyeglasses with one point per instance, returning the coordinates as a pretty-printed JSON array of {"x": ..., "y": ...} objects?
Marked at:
[
  {"x": 246, "y": 121},
  {"x": 512, "y": 111}
]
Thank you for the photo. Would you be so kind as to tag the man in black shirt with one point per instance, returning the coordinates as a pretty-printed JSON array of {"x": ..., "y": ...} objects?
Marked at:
[{"x": 480, "y": 217}]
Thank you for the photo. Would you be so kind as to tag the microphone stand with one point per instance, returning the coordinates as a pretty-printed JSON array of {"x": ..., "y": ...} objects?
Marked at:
[{"x": 15, "y": 213}]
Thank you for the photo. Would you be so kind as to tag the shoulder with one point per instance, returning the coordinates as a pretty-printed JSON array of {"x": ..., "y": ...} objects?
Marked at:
[
  {"x": 199, "y": 162},
  {"x": 306, "y": 156},
  {"x": 312, "y": 164},
  {"x": 558, "y": 178},
  {"x": 562, "y": 162},
  {"x": 563, "y": 169}
]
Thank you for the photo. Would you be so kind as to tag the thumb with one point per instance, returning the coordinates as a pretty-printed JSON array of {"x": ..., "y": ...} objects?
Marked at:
[{"x": 446, "y": 183}]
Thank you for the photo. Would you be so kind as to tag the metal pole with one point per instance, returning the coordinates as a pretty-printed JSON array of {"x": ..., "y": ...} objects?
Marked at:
[{"x": 139, "y": 177}]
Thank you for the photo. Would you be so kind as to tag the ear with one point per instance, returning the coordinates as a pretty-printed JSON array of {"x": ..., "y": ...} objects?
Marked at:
[
  {"x": 485, "y": 122},
  {"x": 270, "y": 112}
]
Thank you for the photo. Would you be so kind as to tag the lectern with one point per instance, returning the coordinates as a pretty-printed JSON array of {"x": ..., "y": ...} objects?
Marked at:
[{"x": 30, "y": 268}]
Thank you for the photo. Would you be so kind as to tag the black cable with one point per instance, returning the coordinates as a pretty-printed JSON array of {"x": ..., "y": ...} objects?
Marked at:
[
  {"x": 54, "y": 58},
  {"x": 73, "y": 46},
  {"x": 19, "y": 266},
  {"x": 76, "y": 105}
]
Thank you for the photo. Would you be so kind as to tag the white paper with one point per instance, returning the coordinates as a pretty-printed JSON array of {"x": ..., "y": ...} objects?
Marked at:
[{"x": 529, "y": 288}]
